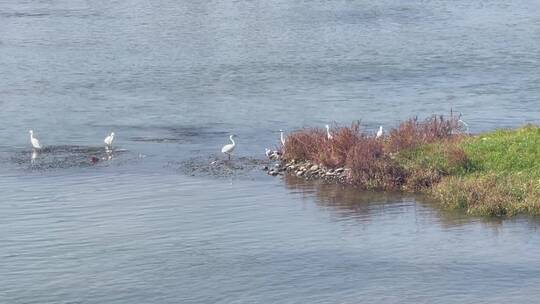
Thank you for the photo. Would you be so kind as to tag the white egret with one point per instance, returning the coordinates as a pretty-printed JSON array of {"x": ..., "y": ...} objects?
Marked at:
[
  {"x": 281, "y": 137},
  {"x": 228, "y": 149},
  {"x": 35, "y": 142},
  {"x": 328, "y": 135},
  {"x": 465, "y": 124},
  {"x": 380, "y": 132},
  {"x": 109, "y": 140}
]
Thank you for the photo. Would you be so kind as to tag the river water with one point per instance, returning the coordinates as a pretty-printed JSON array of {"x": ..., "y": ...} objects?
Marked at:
[{"x": 157, "y": 222}]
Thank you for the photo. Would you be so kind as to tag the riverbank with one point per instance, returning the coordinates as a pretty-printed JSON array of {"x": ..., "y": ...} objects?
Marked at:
[{"x": 495, "y": 173}]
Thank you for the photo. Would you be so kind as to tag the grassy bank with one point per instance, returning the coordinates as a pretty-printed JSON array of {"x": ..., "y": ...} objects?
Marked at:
[{"x": 496, "y": 173}]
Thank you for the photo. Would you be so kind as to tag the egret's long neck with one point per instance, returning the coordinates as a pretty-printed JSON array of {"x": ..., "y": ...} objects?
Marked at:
[
  {"x": 282, "y": 138},
  {"x": 232, "y": 140},
  {"x": 328, "y": 131}
]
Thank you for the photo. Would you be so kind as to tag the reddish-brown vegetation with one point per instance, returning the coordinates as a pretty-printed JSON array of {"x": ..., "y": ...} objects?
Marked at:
[
  {"x": 372, "y": 160},
  {"x": 413, "y": 132}
]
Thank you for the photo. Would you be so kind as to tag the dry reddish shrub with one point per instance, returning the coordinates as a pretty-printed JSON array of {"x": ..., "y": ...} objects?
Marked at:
[
  {"x": 312, "y": 144},
  {"x": 336, "y": 150},
  {"x": 372, "y": 169},
  {"x": 371, "y": 160},
  {"x": 304, "y": 144},
  {"x": 412, "y": 133}
]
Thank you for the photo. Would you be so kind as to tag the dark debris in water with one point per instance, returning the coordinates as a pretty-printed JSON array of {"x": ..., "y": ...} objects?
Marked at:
[
  {"x": 183, "y": 135},
  {"x": 154, "y": 140},
  {"x": 245, "y": 167},
  {"x": 62, "y": 157}
]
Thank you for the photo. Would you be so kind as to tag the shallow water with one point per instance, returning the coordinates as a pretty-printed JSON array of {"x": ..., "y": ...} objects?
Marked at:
[{"x": 164, "y": 218}]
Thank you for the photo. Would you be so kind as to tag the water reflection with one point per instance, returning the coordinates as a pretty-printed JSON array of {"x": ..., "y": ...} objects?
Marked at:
[
  {"x": 348, "y": 202},
  {"x": 33, "y": 157},
  {"x": 108, "y": 153}
]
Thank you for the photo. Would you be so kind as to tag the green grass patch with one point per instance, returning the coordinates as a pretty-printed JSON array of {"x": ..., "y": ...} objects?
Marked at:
[
  {"x": 506, "y": 151},
  {"x": 500, "y": 176}
]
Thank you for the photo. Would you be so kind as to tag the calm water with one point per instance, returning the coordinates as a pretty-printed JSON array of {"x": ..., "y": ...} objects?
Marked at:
[{"x": 158, "y": 224}]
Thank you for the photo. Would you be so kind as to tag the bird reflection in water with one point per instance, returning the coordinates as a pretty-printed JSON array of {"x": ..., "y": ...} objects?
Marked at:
[
  {"x": 34, "y": 156},
  {"x": 109, "y": 154}
]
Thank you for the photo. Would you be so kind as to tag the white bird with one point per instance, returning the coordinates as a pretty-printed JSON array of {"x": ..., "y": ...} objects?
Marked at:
[
  {"x": 465, "y": 124},
  {"x": 380, "y": 132},
  {"x": 272, "y": 154},
  {"x": 109, "y": 140},
  {"x": 228, "y": 149},
  {"x": 328, "y": 135},
  {"x": 35, "y": 142},
  {"x": 282, "y": 138}
]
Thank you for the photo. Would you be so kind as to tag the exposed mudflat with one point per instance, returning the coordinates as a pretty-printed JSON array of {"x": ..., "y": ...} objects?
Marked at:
[
  {"x": 66, "y": 156},
  {"x": 211, "y": 166}
]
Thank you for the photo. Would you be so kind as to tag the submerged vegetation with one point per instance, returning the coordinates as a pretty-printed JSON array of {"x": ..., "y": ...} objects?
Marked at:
[{"x": 496, "y": 173}]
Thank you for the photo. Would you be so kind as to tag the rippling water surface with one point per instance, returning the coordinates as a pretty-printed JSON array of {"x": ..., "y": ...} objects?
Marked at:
[{"x": 156, "y": 222}]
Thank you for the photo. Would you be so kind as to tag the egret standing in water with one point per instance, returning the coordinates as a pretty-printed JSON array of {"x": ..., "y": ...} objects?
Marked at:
[
  {"x": 380, "y": 132},
  {"x": 281, "y": 137},
  {"x": 464, "y": 124},
  {"x": 228, "y": 149},
  {"x": 109, "y": 140},
  {"x": 328, "y": 135},
  {"x": 35, "y": 142}
]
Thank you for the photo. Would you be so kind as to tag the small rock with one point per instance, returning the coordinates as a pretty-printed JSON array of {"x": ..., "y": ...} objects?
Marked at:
[
  {"x": 314, "y": 168},
  {"x": 265, "y": 168},
  {"x": 273, "y": 173},
  {"x": 339, "y": 170},
  {"x": 299, "y": 173}
]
